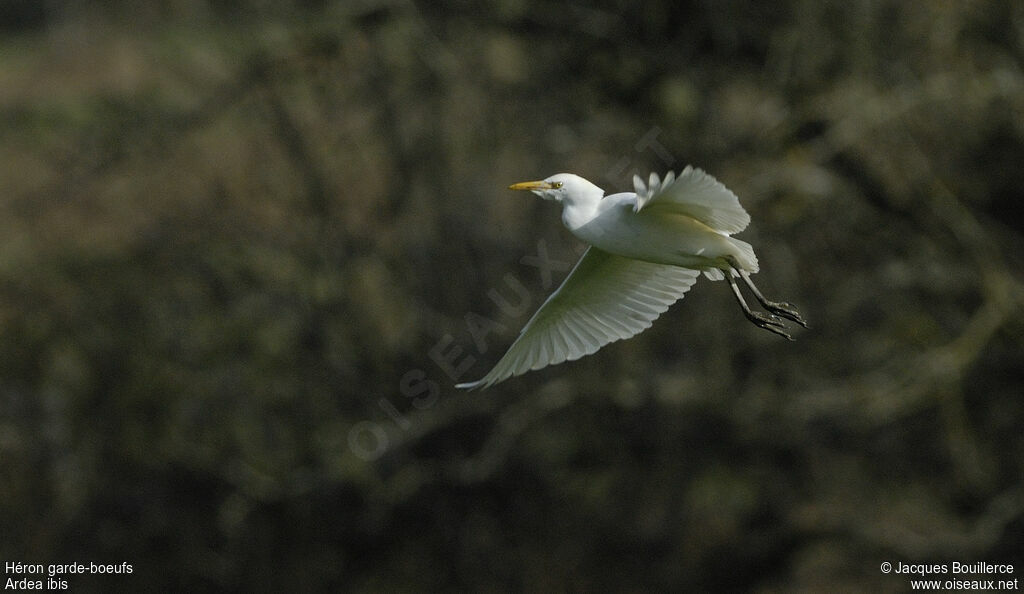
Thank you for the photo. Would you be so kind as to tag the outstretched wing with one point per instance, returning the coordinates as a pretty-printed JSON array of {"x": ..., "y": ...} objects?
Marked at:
[
  {"x": 605, "y": 298},
  {"x": 695, "y": 194}
]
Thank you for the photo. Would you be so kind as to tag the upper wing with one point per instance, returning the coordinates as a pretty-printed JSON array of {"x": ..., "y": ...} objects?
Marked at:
[
  {"x": 695, "y": 194},
  {"x": 605, "y": 298}
]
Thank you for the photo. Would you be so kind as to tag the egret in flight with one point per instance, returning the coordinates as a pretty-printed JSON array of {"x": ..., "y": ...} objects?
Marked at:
[{"x": 647, "y": 248}]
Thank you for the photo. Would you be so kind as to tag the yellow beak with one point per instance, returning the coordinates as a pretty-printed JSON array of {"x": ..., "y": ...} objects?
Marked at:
[{"x": 532, "y": 185}]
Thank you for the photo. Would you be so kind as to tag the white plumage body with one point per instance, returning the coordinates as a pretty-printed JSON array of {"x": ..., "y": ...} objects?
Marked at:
[{"x": 616, "y": 226}]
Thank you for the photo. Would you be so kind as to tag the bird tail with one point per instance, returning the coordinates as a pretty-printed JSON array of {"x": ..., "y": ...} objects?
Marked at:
[{"x": 744, "y": 257}]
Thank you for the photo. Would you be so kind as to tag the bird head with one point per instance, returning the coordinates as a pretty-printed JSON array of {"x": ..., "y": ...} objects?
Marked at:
[{"x": 561, "y": 187}]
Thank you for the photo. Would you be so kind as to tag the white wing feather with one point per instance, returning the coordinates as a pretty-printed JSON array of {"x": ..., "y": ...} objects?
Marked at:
[
  {"x": 695, "y": 194},
  {"x": 605, "y": 298}
]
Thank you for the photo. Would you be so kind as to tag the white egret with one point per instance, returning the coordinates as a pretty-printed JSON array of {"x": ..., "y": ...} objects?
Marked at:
[{"x": 647, "y": 248}]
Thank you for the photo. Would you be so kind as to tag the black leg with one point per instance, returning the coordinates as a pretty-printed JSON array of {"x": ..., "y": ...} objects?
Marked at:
[
  {"x": 786, "y": 310},
  {"x": 767, "y": 321}
]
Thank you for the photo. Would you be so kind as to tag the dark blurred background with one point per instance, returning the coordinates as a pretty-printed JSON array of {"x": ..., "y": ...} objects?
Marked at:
[{"x": 242, "y": 243}]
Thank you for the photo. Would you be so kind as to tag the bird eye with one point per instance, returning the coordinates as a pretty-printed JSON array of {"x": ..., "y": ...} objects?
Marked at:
[{"x": 556, "y": 185}]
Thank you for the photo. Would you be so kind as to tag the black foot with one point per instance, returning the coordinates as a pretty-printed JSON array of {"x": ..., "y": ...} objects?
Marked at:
[
  {"x": 786, "y": 310},
  {"x": 769, "y": 322}
]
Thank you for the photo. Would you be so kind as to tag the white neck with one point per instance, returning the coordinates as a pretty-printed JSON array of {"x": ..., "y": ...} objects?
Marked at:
[{"x": 579, "y": 210}]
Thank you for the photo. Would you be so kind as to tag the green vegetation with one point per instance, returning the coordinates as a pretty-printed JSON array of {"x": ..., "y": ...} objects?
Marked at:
[{"x": 237, "y": 238}]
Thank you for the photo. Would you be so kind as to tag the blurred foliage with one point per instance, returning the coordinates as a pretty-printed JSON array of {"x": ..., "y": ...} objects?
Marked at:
[{"x": 236, "y": 238}]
